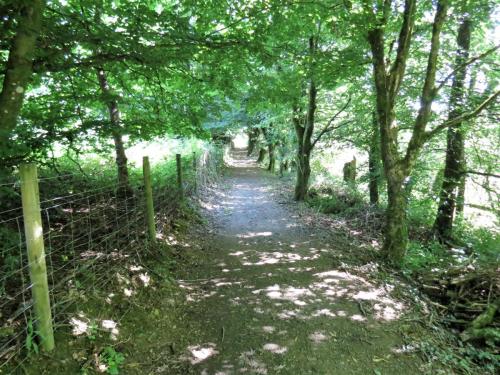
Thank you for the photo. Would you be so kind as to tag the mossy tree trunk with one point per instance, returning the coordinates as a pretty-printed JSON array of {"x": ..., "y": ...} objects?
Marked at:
[
  {"x": 272, "y": 157},
  {"x": 304, "y": 148},
  {"x": 262, "y": 155},
  {"x": 454, "y": 168},
  {"x": 461, "y": 196},
  {"x": 253, "y": 136},
  {"x": 304, "y": 129},
  {"x": 19, "y": 66},
  {"x": 398, "y": 166},
  {"x": 396, "y": 227},
  {"x": 302, "y": 159},
  {"x": 374, "y": 167},
  {"x": 303, "y": 174},
  {"x": 270, "y": 141},
  {"x": 387, "y": 84},
  {"x": 283, "y": 167}
]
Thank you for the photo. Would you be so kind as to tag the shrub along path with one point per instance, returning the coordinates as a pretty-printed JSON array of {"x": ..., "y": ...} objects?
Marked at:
[{"x": 277, "y": 296}]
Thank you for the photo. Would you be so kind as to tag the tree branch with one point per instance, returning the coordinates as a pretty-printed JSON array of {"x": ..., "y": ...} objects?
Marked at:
[
  {"x": 482, "y": 174},
  {"x": 427, "y": 96},
  {"x": 328, "y": 128},
  {"x": 472, "y": 60},
  {"x": 398, "y": 68},
  {"x": 464, "y": 117}
]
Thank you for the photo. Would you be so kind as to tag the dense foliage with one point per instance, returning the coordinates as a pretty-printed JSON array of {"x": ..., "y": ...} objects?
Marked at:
[{"x": 390, "y": 106}]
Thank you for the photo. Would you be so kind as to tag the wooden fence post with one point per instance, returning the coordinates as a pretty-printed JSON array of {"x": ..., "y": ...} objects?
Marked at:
[
  {"x": 148, "y": 195},
  {"x": 179, "y": 174},
  {"x": 36, "y": 254},
  {"x": 350, "y": 171}
]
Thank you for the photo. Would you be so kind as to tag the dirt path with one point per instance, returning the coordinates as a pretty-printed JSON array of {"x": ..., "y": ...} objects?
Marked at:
[{"x": 275, "y": 298}]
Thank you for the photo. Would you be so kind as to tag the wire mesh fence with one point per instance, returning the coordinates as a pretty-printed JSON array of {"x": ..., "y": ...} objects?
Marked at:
[{"x": 85, "y": 225}]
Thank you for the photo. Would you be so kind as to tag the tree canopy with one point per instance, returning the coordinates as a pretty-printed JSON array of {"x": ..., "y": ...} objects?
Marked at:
[
  {"x": 397, "y": 80},
  {"x": 385, "y": 111}
]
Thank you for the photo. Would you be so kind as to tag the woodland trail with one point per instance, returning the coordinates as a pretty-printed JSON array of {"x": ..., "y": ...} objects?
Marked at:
[{"x": 275, "y": 299}]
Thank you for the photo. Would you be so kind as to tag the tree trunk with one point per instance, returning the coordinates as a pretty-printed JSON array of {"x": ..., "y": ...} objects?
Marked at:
[
  {"x": 396, "y": 230},
  {"x": 303, "y": 174},
  {"x": 272, "y": 158},
  {"x": 304, "y": 134},
  {"x": 463, "y": 181},
  {"x": 436, "y": 184},
  {"x": 283, "y": 167},
  {"x": 461, "y": 196},
  {"x": 253, "y": 135},
  {"x": 388, "y": 81},
  {"x": 114, "y": 116},
  {"x": 268, "y": 134},
  {"x": 262, "y": 155},
  {"x": 374, "y": 162},
  {"x": 303, "y": 157},
  {"x": 455, "y": 160},
  {"x": 19, "y": 67},
  {"x": 121, "y": 161}
]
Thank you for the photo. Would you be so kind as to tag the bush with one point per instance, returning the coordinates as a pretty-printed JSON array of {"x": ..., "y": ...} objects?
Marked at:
[
  {"x": 482, "y": 243},
  {"x": 425, "y": 256},
  {"x": 330, "y": 200}
]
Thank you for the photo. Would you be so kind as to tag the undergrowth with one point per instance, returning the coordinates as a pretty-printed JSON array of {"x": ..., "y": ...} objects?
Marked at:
[
  {"x": 336, "y": 200},
  {"x": 98, "y": 298},
  {"x": 473, "y": 250}
]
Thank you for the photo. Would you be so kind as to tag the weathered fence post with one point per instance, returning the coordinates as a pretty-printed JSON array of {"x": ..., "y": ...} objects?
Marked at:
[
  {"x": 350, "y": 171},
  {"x": 148, "y": 195},
  {"x": 179, "y": 174},
  {"x": 36, "y": 254}
]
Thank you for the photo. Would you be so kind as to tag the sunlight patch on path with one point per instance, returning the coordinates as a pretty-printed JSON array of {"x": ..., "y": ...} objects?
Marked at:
[
  {"x": 199, "y": 353},
  {"x": 275, "y": 348},
  {"x": 318, "y": 337}
]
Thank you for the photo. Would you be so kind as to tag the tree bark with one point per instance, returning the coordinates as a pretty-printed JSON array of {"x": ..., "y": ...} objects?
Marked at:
[
  {"x": 19, "y": 67},
  {"x": 455, "y": 158},
  {"x": 272, "y": 157},
  {"x": 396, "y": 227},
  {"x": 301, "y": 164},
  {"x": 374, "y": 162},
  {"x": 397, "y": 168},
  {"x": 253, "y": 135},
  {"x": 304, "y": 134},
  {"x": 461, "y": 196},
  {"x": 268, "y": 134},
  {"x": 262, "y": 155},
  {"x": 303, "y": 174},
  {"x": 114, "y": 116},
  {"x": 304, "y": 147},
  {"x": 463, "y": 181},
  {"x": 283, "y": 167}
]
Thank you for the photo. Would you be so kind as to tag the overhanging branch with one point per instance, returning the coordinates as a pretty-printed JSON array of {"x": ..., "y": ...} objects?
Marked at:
[
  {"x": 464, "y": 117},
  {"x": 328, "y": 127},
  {"x": 472, "y": 60},
  {"x": 482, "y": 174}
]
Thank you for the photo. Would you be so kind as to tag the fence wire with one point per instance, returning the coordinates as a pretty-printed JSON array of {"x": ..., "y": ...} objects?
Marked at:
[{"x": 83, "y": 230}]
